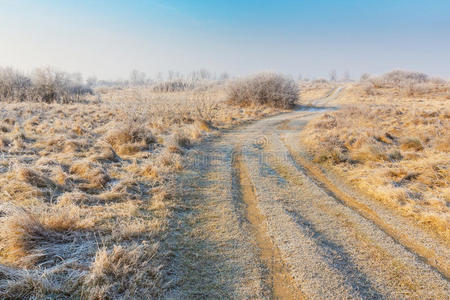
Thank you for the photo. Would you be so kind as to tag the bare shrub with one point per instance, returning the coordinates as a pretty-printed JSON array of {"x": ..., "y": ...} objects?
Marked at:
[
  {"x": 397, "y": 77},
  {"x": 44, "y": 85},
  {"x": 177, "y": 85},
  {"x": 13, "y": 85},
  {"x": 410, "y": 84},
  {"x": 267, "y": 89},
  {"x": 364, "y": 77},
  {"x": 52, "y": 86}
]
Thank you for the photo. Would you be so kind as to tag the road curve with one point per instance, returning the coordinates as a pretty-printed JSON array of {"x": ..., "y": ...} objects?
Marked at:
[{"x": 260, "y": 221}]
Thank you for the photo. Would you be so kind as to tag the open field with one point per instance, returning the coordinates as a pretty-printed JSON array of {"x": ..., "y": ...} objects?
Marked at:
[
  {"x": 227, "y": 189},
  {"x": 88, "y": 188},
  {"x": 391, "y": 140}
]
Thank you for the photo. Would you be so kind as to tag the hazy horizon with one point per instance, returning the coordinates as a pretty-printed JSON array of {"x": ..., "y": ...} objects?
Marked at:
[{"x": 110, "y": 38}]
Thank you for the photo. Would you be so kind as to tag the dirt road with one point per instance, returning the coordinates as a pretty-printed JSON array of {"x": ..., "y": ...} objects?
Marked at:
[{"x": 259, "y": 220}]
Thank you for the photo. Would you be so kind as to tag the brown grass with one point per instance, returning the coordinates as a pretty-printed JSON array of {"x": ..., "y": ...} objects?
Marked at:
[
  {"x": 313, "y": 90},
  {"x": 28, "y": 238},
  {"x": 124, "y": 273},
  {"x": 98, "y": 174},
  {"x": 392, "y": 146}
]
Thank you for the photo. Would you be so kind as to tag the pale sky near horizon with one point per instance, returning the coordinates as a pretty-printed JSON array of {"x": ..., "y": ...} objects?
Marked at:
[{"x": 110, "y": 38}]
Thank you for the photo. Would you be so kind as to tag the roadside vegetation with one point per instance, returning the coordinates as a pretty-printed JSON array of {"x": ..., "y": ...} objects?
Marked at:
[
  {"x": 267, "y": 89},
  {"x": 42, "y": 85},
  {"x": 390, "y": 138},
  {"x": 87, "y": 182}
]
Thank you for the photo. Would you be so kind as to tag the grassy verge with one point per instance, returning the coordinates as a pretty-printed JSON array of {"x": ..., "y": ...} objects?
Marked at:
[{"x": 393, "y": 145}]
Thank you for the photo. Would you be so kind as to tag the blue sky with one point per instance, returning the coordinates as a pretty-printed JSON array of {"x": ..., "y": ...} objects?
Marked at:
[{"x": 110, "y": 38}]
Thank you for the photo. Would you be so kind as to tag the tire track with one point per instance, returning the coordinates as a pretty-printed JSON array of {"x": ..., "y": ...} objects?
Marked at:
[
  {"x": 280, "y": 228},
  {"x": 277, "y": 278},
  {"x": 352, "y": 244},
  {"x": 438, "y": 262}
]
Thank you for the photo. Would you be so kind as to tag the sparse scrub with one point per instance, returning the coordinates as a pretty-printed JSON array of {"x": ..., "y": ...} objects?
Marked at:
[
  {"x": 44, "y": 85},
  {"x": 392, "y": 150},
  {"x": 411, "y": 84},
  {"x": 174, "y": 86},
  {"x": 397, "y": 77},
  {"x": 86, "y": 173},
  {"x": 265, "y": 89},
  {"x": 13, "y": 85}
]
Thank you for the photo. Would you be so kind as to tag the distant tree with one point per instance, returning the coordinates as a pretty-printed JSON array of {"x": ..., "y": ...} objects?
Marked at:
[
  {"x": 159, "y": 77},
  {"x": 137, "y": 77},
  {"x": 205, "y": 74},
  {"x": 364, "y": 77},
  {"x": 171, "y": 75},
  {"x": 346, "y": 76},
  {"x": 91, "y": 81},
  {"x": 224, "y": 76},
  {"x": 333, "y": 75}
]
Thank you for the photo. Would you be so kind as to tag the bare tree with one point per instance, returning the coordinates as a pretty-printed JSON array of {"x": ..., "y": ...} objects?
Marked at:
[
  {"x": 346, "y": 76},
  {"x": 91, "y": 81},
  {"x": 333, "y": 75},
  {"x": 13, "y": 85},
  {"x": 224, "y": 76},
  {"x": 364, "y": 77},
  {"x": 137, "y": 77}
]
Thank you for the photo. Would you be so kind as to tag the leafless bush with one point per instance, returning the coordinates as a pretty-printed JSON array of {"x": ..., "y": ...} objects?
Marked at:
[
  {"x": 52, "y": 86},
  {"x": 419, "y": 89},
  {"x": 264, "y": 89},
  {"x": 364, "y": 77},
  {"x": 44, "y": 85},
  {"x": 177, "y": 85},
  {"x": 13, "y": 85},
  {"x": 320, "y": 81},
  {"x": 409, "y": 83},
  {"x": 398, "y": 77}
]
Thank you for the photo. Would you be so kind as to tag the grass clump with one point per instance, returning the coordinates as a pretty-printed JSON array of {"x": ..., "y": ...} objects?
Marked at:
[
  {"x": 28, "y": 238},
  {"x": 266, "y": 89},
  {"x": 123, "y": 273}
]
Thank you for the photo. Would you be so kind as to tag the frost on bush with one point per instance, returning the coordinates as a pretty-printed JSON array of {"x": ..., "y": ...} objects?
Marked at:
[{"x": 266, "y": 89}]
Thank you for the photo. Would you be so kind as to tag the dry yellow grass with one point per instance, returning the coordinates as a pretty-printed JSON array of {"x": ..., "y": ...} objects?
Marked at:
[
  {"x": 393, "y": 145},
  {"x": 316, "y": 89},
  {"x": 87, "y": 189}
]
